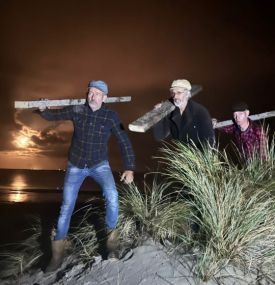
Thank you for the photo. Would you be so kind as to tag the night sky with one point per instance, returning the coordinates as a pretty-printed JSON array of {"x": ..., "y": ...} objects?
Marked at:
[{"x": 51, "y": 49}]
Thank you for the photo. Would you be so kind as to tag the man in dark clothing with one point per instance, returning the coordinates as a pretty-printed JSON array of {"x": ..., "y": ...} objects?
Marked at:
[
  {"x": 88, "y": 157},
  {"x": 190, "y": 121}
]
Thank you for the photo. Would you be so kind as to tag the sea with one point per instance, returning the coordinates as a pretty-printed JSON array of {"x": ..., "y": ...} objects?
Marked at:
[
  {"x": 37, "y": 186},
  {"x": 28, "y": 195}
]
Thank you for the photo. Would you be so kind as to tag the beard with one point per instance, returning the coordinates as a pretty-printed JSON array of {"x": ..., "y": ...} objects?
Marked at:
[{"x": 178, "y": 103}]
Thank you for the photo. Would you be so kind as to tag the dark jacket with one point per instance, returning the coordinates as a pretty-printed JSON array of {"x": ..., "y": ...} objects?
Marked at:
[{"x": 194, "y": 124}]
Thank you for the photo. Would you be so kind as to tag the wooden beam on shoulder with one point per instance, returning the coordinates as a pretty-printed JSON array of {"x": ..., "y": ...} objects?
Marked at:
[
  {"x": 252, "y": 117},
  {"x": 152, "y": 117},
  {"x": 63, "y": 102}
]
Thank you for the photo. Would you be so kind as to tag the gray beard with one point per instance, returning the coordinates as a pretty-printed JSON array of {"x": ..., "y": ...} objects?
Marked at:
[{"x": 178, "y": 104}]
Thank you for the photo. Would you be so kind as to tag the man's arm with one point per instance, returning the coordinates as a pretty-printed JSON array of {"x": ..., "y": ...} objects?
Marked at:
[
  {"x": 56, "y": 114},
  {"x": 226, "y": 129},
  {"x": 126, "y": 150},
  {"x": 206, "y": 132}
]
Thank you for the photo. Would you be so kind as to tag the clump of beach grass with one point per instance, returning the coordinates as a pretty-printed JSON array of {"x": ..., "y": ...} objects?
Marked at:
[
  {"x": 156, "y": 211},
  {"x": 83, "y": 239},
  {"x": 22, "y": 256},
  {"x": 84, "y": 242},
  {"x": 233, "y": 228},
  {"x": 261, "y": 170}
]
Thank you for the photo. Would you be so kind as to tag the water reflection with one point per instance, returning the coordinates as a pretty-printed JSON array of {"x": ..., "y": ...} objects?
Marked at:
[
  {"x": 18, "y": 196},
  {"x": 18, "y": 184}
]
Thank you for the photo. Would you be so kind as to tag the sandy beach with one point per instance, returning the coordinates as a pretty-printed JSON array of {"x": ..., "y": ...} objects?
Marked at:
[{"x": 148, "y": 264}]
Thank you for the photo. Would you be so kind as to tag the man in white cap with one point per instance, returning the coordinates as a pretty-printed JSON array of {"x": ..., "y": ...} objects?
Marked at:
[
  {"x": 190, "y": 122},
  {"x": 88, "y": 157}
]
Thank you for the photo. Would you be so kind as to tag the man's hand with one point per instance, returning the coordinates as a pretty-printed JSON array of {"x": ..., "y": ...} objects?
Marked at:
[
  {"x": 157, "y": 106},
  {"x": 127, "y": 176},
  {"x": 214, "y": 122},
  {"x": 43, "y": 107}
]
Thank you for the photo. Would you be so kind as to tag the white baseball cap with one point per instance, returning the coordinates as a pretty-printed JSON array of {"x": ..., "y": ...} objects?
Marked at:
[{"x": 181, "y": 83}]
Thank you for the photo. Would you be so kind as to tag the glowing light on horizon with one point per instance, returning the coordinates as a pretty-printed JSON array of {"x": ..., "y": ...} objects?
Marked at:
[
  {"x": 18, "y": 196},
  {"x": 18, "y": 184}
]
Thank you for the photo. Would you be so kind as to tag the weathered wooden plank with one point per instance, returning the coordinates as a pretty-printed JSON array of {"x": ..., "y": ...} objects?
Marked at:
[
  {"x": 149, "y": 119},
  {"x": 252, "y": 117},
  {"x": 63, "y": 102},
  {"x": 152, "y": 117}
]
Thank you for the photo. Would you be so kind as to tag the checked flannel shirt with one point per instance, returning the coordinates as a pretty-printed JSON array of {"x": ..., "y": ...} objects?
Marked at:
[
  {"x": 92, "y": 130},
  {"x": 253, "y": 139}
]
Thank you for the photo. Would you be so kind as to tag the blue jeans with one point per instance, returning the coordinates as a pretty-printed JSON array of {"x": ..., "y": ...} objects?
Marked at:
[{"x": 74, "y": 177}]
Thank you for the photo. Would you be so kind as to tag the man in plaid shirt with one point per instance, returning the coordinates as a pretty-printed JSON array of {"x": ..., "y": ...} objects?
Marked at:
[
  {"x": 88, "y": 156},
  {"x": 249, "y": 137}
]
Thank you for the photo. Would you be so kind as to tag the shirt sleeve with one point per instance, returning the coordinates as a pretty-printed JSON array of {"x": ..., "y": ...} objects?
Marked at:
[
  {"x": 124, "y": 143},
  {"x": 227, "y": 129},
  {"x": 57, "y": 114}
]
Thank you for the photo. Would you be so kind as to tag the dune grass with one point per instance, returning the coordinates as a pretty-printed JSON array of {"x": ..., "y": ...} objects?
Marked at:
[
  {"x": 261, "y": 172},
  {"x": 156, "y": 211},
  {"x": 20, "y": 257},
  {"x": 83, "y": 238},
  {"x": 234, "y": 213}
]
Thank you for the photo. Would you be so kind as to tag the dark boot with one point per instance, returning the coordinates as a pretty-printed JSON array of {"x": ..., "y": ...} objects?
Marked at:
[
  {"x": 112, "y": 244},
  {"x": 58, "y": 248}
]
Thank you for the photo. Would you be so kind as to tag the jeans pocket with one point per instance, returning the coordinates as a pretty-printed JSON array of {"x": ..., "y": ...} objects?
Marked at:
[{"x": 72, "y": 168}]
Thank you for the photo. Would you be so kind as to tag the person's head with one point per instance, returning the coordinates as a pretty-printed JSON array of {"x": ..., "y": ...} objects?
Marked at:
[
  {"x": 180, "y": 91},
  {"x": 97, "y": 94},
  {"x": 240, "y": 114}
]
